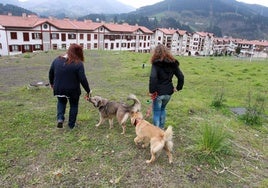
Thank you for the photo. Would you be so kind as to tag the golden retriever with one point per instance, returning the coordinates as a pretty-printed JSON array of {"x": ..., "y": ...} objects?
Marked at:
[{"x": 147, "y": 133}]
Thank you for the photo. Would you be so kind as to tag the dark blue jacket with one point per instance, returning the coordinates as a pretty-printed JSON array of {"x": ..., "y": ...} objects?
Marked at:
[
  {"x": 161, "y": 77},
  {"x": 66, "y": 78}
]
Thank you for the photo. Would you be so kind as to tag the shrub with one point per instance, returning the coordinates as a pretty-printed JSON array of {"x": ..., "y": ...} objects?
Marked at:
[
  {"x": 211, "y": 146},
  {"x": 218, "y": 99},
  {"x": 212, "y": 140},
  {"x": 254, "y": 112},
  {"x": 27, "y": 55}
]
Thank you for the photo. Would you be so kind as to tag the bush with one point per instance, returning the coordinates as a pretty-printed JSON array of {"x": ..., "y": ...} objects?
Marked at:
[
  {"x": 254, "y": 112},
  {"x": 218, "y": 99},
  {"x": 212, "y": 146},
  {"x": 27, "y": 55}
]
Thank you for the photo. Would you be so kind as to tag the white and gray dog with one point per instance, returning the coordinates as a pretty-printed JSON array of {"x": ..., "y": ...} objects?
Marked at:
[{"x": 109, "y": 109}]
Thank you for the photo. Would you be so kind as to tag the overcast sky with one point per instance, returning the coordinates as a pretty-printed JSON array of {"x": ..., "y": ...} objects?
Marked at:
[{"x": 140, "y": 3}]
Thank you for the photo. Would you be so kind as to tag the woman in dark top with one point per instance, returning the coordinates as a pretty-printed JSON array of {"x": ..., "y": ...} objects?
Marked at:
[
  {"x": 65, "y": 76},
  {"x": 164, "y": 66}
]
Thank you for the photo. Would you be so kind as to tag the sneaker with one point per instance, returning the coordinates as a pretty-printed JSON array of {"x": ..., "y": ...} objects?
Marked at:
[{"x": 60, "y": 124}]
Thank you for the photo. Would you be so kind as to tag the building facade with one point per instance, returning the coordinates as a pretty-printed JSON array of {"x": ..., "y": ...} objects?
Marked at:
[{"x": 29, "y": 33}]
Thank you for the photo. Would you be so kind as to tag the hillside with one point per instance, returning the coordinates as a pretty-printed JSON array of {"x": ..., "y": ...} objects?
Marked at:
[
  {"x": 222, "y": 17},
  {"x": 15, "y": 10},
  {"x": 72, "y": 8}
]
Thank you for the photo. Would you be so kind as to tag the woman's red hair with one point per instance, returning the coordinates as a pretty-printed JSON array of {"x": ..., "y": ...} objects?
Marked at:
[
  {"x": 75, "y": 54},
  {"x": 161, "y": 53}
]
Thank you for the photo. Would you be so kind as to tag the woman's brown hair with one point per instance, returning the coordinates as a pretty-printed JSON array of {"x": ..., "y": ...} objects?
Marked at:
[
  {"x": 75, "y": 54},
  {"x": 161, "y": 53}
]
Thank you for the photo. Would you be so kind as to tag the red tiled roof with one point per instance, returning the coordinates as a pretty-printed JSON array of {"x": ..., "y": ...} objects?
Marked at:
[
  {"x": 167, "y": 31},
  {"x": 33, "y": 21},
  {"x": 182, "y": 32},
  {"x": 203, "y": 34},
  {"x": 126, "y": 28},
  {"x": 18, "y": 21}
]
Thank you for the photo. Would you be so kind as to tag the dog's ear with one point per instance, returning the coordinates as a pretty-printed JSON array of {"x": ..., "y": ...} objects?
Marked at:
[{"x": 102, "y": 102}]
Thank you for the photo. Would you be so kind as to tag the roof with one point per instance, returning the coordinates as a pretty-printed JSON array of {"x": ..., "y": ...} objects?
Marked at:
[
  {"x": 32, "y": 21},
  {"x": 167, "y": 31},
  {"x": 19, "y": 21},
  {"x": 204, "y": 34},
  {"x": 126, "y": 28}
]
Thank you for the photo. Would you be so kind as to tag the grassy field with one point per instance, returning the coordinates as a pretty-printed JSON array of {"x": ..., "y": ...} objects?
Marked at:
[{"x": 34, "y": 153}]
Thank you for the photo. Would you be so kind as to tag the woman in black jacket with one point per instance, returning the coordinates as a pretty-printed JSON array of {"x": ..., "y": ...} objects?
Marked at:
[
  {"x": 164, "y": 67},
  {"x": 65, "y": 76}
]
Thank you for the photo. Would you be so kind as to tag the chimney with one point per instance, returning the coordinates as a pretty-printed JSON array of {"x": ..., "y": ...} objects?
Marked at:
[
  {"x": 88, "y": 21},
  {"x": 9, "y": 14},
  {"x": 24, "y": 15}
]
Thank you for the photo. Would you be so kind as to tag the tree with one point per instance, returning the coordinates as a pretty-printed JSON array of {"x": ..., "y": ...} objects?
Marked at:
[{"x": 238, "y": 50}]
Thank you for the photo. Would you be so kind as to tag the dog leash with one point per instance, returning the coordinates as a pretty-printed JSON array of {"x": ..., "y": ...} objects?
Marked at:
[{"x": 87, "y": 97}]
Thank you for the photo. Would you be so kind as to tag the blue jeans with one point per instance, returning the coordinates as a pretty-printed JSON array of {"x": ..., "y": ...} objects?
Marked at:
[
  {"x": 61, "y": 107},
  {"x": 159, "y": 110}
]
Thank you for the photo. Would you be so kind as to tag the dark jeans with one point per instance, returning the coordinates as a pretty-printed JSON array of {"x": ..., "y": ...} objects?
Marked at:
[
  {"x": 159, "y": 110},
  {"x": 61, "y": 107}
]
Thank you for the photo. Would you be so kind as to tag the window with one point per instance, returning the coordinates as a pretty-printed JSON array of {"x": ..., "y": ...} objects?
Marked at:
[
  {"x": 26, "y": 37},
  {"x": 63, "y": 46},
  {"x": 26, "y": 47},
  {"x": 72, "y": 36},
  {"x": 13, "y": 35},
  {"x": 106, "y": 45},
  {"x": 81, "y": 36},
  {"x": 37, "y": 47},
  {"x": 36, "y": 36},
  {"x": 88, "y": 37},
  {"x": 88, "y": 46},
  {"x": 45, "y": 26},
  {"x": 13, "y": 48},
  {"x": 55, "y": 36},
  {"x": 54, "y": 46},
  {"x": 159, "y": 38},
  {"x": 95, "y": 45},
  {"x": 63, "y": 37},
  {"x": 0, "y": 46},
  {"x": 95, "y": 36}
]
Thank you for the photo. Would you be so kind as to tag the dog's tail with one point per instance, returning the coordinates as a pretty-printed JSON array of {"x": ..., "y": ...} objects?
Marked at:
[
  {"x": 168, "y": 135},
  {"x": 136, "y": 106}
]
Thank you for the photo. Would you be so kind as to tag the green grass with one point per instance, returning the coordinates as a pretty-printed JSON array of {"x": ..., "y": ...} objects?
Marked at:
[{"x": 34, "y": 153}]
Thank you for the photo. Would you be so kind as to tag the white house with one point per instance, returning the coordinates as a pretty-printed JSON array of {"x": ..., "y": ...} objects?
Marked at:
[{"x": 20, "y": 34}]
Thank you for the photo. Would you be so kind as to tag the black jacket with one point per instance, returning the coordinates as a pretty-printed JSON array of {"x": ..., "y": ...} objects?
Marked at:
[
  {"x": 66, "y": 78},
  {"x": 161, "y": 77}
]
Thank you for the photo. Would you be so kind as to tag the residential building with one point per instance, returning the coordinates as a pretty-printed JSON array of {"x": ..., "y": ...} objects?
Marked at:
[
  {"x": 29, "y": 33},
  {"x": 20, "y": 34}
]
